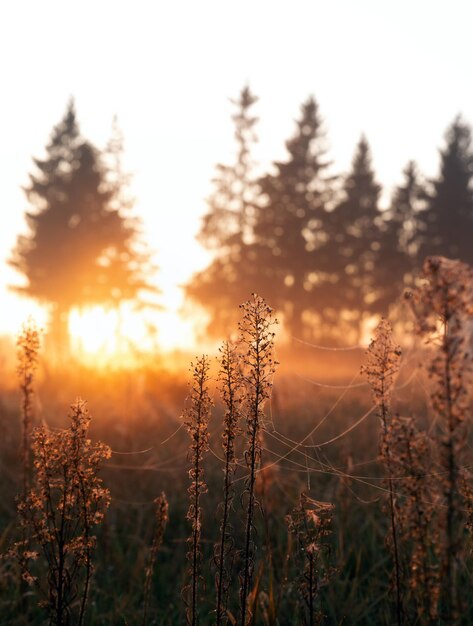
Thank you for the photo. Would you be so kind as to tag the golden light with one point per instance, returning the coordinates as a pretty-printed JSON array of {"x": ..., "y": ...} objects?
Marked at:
[
  {"x": 94, "y": 331},
  {"x": 101, "y": 336}
]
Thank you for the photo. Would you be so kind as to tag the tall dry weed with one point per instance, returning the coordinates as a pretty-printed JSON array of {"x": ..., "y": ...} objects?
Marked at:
[
  {"x": 381, "y": 367},
  {"x": 162, "y": 518},
  {"x": 230, "y": 387},
  {"x": 28, "y": 343},
  {"x": 442, "y": 305},
  {"x": 196, "y": 419},
  {"x": 310, "y": 524},
  {"x": 257, "y": 340},
  {"x": 416, "y": 517},
  {"x": 58, "y": 515}
]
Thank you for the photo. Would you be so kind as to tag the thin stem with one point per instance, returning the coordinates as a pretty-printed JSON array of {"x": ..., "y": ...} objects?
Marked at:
[
  {"x": 451, "y": 549},
  {"x": 223, "y": 539}
]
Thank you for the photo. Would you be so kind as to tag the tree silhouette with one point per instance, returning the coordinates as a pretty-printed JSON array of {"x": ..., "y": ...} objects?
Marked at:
[
  {"x": 231, "y": 206},
  {"x": 82, "y": 248},
  {"x": 447, "y": 223},
  {"x": 326, "y": 257},
  {"x": 400, "y": 238},
  {"x": 228, "y": 226},
  {"x": 408, "y": 202},
  {"x": 290, "y": 225},
  {"x": 354, "y": 244}
]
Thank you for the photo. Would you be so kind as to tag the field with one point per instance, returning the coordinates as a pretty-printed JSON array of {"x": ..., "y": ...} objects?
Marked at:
[
  {"x": 142, "y": 419},
  {"x": 322, "y": 435},
  {"x": 236, "y": 314}
]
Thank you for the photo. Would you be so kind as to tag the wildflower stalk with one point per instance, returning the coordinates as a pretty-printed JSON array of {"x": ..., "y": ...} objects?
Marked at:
[
  {"x": 382, "y": 364},
  {"x": 196, "y": 418},
  {"x": 258, "y": 340},
  {"x": 88, "y": 551},
  {"x": 411, "y": 452},
  {"x": 441, "y": 306},
  {"x": 230, "y": 390},
  {"x": 27, "y": 356},
  {"x": 310, "y": 523},
  {"x": 162, "y": 516},
  {"x": 58, "y": 515}
]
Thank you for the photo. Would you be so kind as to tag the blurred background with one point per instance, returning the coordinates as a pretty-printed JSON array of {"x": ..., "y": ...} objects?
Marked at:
[{"x": 343, "y": 138}]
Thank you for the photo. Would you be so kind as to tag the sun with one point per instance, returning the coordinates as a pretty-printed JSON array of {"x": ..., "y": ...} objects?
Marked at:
[
  {"x": 117, "y": 336},
  {"x": 94, "y": 330}
]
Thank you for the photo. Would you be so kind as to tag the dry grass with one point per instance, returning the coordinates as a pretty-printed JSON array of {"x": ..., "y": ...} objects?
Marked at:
[
  {"x": 231, "y": 392},
  {"x": 196, "y": 418},
  {"x": 27, "y": 355},
  {"x": 59, "y": 514},
  {"x": 331, "y": 564},
  {"x": 162, "y": 517}
]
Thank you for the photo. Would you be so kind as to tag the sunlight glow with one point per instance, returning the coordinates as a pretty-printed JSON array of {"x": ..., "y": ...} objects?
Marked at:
[
  {"x": 94, "y": 330},
  {"x": 104, "y": 336},
  {"x": 16, "y": 310}
]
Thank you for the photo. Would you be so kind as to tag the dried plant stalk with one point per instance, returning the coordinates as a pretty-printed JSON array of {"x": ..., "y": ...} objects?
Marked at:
[
  {"x": 28, "y": 344},
  {"x": 58, "y": 515},
  {"x": 162, "y": 517},
  {"x": 310, "y": 524},
  {"x": 257, "y": 339},
  {"x": 442, "y": 304},
  {"x": 382, "y": 364},
  {"x": 411, "y": 453},
  {"x": 229, "y": 379},
  {"x": 196, "y": 418}
]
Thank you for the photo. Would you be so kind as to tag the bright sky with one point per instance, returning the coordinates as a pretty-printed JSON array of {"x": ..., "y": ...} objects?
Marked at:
[{"x": 398, "y": 70}]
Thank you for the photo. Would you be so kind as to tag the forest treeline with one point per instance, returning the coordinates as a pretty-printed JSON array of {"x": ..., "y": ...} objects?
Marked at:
[
  {"x": 315, "y": 244},
  {"x": 318, "y": 245}
]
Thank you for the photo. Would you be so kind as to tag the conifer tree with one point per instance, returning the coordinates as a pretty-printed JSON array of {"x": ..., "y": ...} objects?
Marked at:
[
  {"x": 405, "y": 213},
  {"x": 448, "y": 220},
  {"x": 227, "y": 227},
  {"x": 290, "y": 226},
  {"x": 399, "y": 240},
  {"x": 231, "y": 207},
  {"x": 354, "y": 242},
  {"x": 82, "y": 246}
]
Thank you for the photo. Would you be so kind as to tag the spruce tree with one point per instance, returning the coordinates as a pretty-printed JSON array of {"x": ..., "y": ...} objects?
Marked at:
[
  {"x": 227, "y": 228},
  {"x": 400, "y": 239},
  {"x": 81, "y": 248},
  {"x": 448, "y": 221},
  {"x": 354, "y": 244},
  {"x": 290, "y": 224},
  {"x": 231, "y": 206},
  {"x": 405, "y": 214}
]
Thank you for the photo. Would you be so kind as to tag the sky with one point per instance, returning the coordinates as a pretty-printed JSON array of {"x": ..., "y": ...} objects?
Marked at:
[{"x": 396, "y": 70}]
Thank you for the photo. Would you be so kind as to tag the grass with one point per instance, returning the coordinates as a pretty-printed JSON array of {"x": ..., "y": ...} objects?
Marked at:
[{"x": 320, "y": 441}]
